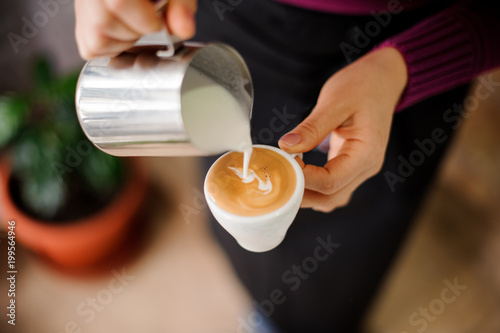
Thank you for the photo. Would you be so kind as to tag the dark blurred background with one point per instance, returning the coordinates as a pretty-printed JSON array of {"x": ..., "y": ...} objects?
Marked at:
[{"x": 56, "y": 39}]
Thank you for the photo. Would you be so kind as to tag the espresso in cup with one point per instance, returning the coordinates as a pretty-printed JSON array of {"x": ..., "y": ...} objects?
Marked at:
[
  {"x": 258, "y": 204},
  {"x": 269, "y": 183}
]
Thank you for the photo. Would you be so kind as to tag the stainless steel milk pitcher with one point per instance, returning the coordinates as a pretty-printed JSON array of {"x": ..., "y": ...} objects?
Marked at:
[{"x": 130, "y": 105}]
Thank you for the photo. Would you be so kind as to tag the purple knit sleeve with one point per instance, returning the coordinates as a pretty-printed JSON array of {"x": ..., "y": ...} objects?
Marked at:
[{"x": 448, "y": 49}]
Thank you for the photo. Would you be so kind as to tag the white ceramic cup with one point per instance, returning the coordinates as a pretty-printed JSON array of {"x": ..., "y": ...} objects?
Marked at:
[{"x": 262, "y": 232}]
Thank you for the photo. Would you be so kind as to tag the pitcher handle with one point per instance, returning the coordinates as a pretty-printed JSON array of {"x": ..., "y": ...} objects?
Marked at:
[{"x": 161, "y": 37}]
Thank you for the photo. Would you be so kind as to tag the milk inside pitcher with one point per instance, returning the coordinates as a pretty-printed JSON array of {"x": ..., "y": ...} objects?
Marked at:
[
  {"x": 213, "y": 117},
  {"x": 141, "y": 103}
]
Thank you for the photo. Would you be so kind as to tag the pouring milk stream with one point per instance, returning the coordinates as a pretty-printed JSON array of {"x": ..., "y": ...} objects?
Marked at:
[{"x": 216, "y": 121}]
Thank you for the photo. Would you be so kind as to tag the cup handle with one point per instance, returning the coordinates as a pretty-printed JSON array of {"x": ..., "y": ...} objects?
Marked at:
[
  {"x": 161, "y": 37},
  {"x": 300, "y": 155}
]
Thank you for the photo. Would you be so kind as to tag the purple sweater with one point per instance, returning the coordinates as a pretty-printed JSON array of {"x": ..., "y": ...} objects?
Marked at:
[{"x": 442, "y": 51}]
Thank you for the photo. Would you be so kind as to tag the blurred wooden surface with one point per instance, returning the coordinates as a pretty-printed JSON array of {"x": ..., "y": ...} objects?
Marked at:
[
  {"x": 180, "y": 282},
  {"x": 456, "y": 236}
]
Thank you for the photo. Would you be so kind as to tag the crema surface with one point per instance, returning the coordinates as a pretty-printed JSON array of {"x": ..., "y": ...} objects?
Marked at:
[{"x": 231, "y": 193}]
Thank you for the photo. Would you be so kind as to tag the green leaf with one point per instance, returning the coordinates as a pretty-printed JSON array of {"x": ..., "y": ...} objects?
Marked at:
[
  {"x": 34, "y": 153},
  {"x": 102, "y": 172},
  {"x": 45, "y": 197},
  {"x": 52, "y": 158},
  {"x": 43, "y": 72},
  {"x": 66, "y": 86},
  {"x": 13, "y": 111}
]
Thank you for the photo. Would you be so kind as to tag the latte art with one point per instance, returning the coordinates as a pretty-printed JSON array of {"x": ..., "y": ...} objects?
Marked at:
[
  {"x": 251, "y": 176},
  {"x": 268, "y": 185}
]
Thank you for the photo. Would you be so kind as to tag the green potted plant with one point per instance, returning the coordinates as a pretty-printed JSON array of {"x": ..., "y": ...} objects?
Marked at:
[{"x": 71, "y": 203}]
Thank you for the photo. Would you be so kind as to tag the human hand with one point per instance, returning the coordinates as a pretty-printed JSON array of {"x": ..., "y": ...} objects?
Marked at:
[
  {"x": 355, "y": 106},
  {"x": 104, "y": 28}
]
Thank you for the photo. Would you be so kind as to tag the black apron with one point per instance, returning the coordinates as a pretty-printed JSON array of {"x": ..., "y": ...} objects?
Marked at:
[{"x": 291, "y": 52}]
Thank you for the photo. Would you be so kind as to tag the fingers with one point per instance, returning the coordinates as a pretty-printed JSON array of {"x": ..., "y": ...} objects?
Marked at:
[
  {"x": 102, "y": 47},
  {"x": 301, "y": 162},
  {"x": 108, "y": 27},
  {"x": 331, "y": 186},
  {"x": 335, "y": 144},
  {"x": 309, "y": 133},
  {"x": 180, "y": 18},
  {"x": 352, "y": 160},
  {"x": 138, "y": 15},
  {"x": 326, "y": 203}
]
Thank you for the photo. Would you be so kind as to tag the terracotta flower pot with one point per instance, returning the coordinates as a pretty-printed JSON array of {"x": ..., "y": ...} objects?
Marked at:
[{"x": 82, "y": 242}]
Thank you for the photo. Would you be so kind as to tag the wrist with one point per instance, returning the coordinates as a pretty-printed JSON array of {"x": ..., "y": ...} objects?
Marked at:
[
  {"x": 393, "y": 68},
  {"x": 395, "y": 64}
]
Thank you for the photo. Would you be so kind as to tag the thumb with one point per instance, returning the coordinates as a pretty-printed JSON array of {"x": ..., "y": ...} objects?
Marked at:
[
  {"x": 310, "y": 132},
  {"x": 180, "y": 18}
]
